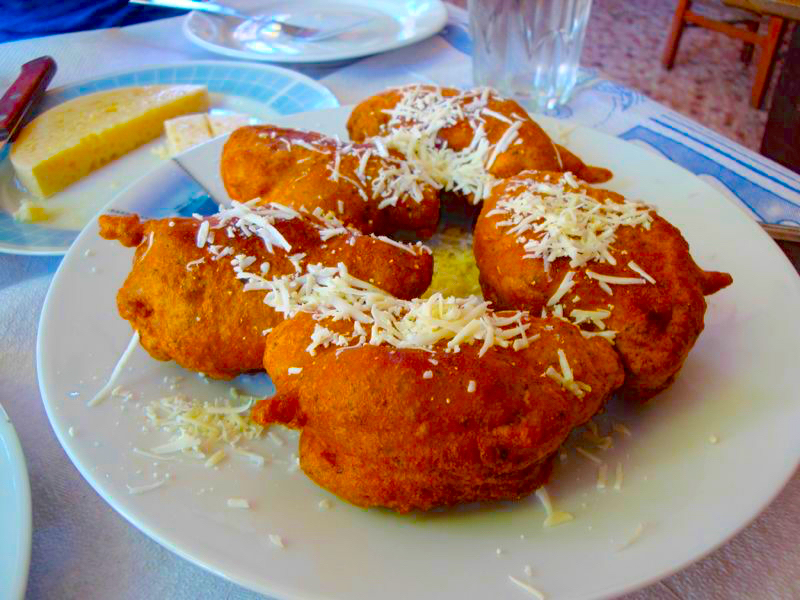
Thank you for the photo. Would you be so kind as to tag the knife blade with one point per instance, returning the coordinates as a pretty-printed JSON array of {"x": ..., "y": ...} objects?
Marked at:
[
  {"x": 202, "y": 164},
  {"x": 26, "y": 91}
]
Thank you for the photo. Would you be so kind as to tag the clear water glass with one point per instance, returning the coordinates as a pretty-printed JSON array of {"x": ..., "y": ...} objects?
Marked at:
[{"x": 528, "y": 49}]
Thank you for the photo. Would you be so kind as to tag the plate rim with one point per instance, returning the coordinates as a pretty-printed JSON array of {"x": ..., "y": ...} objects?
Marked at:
[
  {"x": 439, "y": 16},
  {"x": 9, "y": 438},
  {"x": 789, "y": 464},
  {"x": 295, "y": 76}
]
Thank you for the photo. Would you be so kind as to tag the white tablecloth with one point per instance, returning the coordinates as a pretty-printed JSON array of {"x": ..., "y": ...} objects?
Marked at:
[{"x": 82, "y": 549}]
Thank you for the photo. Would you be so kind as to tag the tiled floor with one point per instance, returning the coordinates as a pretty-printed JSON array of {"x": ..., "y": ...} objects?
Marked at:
[{"x": 708, "y": 83}]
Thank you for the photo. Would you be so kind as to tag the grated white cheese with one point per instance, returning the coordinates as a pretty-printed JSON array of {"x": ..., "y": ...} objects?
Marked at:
[
  {"x": 322, "y": 336},
  {"x": 151, "y": 237},
  {"x": 393, "y": 179},
  {"x": 407, "y": 247},
  {"x": 185, "y": 441},
  {"x": 215, "y": 458},
  {"x": 331, "y": 292},
  {"x": 509, "y": 135},
  {"x": 634, "y": 267},
  {"x": 636, "y": 535},
  {"x": 527, "y": 587},
  {"x": 116, "y": 372},
  {"x": 620, "y": 428},
  {"x": 558, "y": 220},
  {"x": 615, "y": 280},
  {"x": 238, "y": 503},
  {"x": 602, "y": 475},
  {"x": 151, "y": 455},
  {"x": 294, "y": 370},
  {"x": 143, "y": 489},
  {"x": 414, "y": 128},
  {"x": 197, "y": 428},
  {"x": 619, "y": 477},
  {"x": 579, "y": 316},
  {"x": 565, "y": 378},
  {"x": 304, "y": 144},
  {"x": 471, "y": 387},
  {"x": 589, "y": 455},
  {"x": 337, "y": 160},
  {"x": 565, "y": 286},
  {"x": 553, "y": 517},
  {"x": 249, "y": 218},
  {"x": 193, "y": 264},
  {"x": 202, "y": 234},
  {"x": 427, "y": 375},
  {"x": 374, "y": 316},
  {"x": 253, "y": 457},
  {"x": 496, "y": 115}
]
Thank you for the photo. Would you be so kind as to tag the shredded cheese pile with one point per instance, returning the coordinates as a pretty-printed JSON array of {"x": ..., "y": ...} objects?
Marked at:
[
  {"x": 331, "y": 292},
  {"x": 565, "y": 378},
  {"x": 201, "y": 427},
  {"x": 556, "y": 219},
  {"x": 394, "y": 180},
  {"x": 373, "y": 316},
  {"x": 579, "y": 317},
  {"x": 379, "y": 318},
  {"x": 423, "y": 112}
]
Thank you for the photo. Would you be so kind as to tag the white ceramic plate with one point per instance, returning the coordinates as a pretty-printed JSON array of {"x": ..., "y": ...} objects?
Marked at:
[
  {"x": 392, "y": 24},
  {"x": 690, "y": 495},
  {"x": 261, "y": 91},
  {"x": 15, "y": 514}
]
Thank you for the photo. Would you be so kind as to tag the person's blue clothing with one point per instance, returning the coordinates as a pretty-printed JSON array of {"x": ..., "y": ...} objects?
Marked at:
[{"x": 20, "y": 19}]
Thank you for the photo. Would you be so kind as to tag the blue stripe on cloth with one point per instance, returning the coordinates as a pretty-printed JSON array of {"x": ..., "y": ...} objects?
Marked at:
[
  {"x": 767, "y": 205},
  {"x": 729, "y": 156},
  {"x": 684, "y": 125},
  {"x": 458, "y": 38}
]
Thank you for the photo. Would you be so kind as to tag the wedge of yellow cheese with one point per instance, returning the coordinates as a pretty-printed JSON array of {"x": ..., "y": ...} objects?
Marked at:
[
  {"x": 73, "y": 139},
  {"x": 221, "y": 124},
  {"x": 190, "y": 130},
  {"x": 186, "y": 132}
]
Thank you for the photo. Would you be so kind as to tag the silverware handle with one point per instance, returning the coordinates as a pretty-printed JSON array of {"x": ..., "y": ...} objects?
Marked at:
[
  {"x": 209, "y": 7},
  {"x": 24, "y": 93},
  {"x": 786, "y": 233}
]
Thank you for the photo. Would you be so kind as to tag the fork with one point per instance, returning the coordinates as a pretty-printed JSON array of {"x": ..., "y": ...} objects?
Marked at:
[{"x": 307, "y": 34}]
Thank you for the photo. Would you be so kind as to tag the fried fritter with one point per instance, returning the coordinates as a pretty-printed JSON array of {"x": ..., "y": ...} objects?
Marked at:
[
  {"x": 363, "y": 185},
  {"x": 189, "y": 304},
  {"x": 656, "y": 309},
  {"x": 459, "y": 118},
  {"x": 408, "y": 428}
]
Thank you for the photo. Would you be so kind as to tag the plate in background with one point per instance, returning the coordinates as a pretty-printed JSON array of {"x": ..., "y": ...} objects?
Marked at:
[
  {"x": 393, "y": 24},
  {"x": 15, "y": 513},
  {"x": 260, "y": 91},
  {"x": 690, "y": 495}
]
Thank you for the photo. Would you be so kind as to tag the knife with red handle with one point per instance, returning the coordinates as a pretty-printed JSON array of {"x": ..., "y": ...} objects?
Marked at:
[{"x": 18, "y": 101}]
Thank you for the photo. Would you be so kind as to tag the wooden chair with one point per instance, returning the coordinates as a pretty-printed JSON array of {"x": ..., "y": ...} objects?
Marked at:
[{"x": 748, "y": 33}]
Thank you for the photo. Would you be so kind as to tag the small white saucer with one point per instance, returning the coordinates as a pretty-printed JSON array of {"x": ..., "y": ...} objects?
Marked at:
[{"x": 381, "y": 25}]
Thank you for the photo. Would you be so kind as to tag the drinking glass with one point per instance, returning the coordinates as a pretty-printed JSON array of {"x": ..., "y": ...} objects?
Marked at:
[{"x": 528, "y": 49}]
